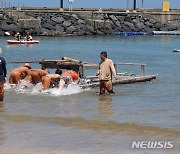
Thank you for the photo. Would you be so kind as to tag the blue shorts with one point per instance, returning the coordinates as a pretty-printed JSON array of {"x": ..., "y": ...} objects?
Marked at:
[
  {"x": 2, "y": 78},
  {"x": 66, "y": 79}
]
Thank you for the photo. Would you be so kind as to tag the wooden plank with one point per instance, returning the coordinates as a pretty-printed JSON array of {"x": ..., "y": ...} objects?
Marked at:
[
  {"x": 123, "y": 80},
  {"x": 135, "y": 64}
]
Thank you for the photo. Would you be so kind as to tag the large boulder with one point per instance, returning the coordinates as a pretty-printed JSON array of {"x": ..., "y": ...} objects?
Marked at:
[
  {"x": 126, "y": 29},
  {"x": 82, "y": 26},
  {"x": 135, "y": 21},
  {"x": 59, "y": 28},
  {"x": 75, "y": 16},
  {"x": 113, "y": 18},
  {"x": 81, "y": 21},
  {"x": 134, "y": 29},
  {"x": 11, "y": 27},
  {"x": 129, "y": 24},
  {"x": 140, "y": 26},
  {"x": 1, "y": 17},
  {"x": 37, "y": 31},
  {"x": 80, "y": 32},
  {"x": 164, "y": 29},
  {"x": 58, "y": 20},
  {"x": 120, "y": 18},
  {"x": 98, "y": 32},
  {"x": 66, "y": 24},
  {"x": 148, "y": 24},
  {"x": 108, "y": 24},
  {"x": 9, "y": 21},
  {"x": 115, "y": 28},
  {"x": 147, "y": 29},
  {"x": 152, "y": 21},
  {"x": 44, "y": 30},
  {"x": 1, "y": 33},
  {"x": 88, "y": 33},
  {"x": 90, "y": 28},
  {"x": 47, "y": 17},
  {"x": 3, "y": 24},
  {"x": 158, "y": 25},
  {"x": 117, "y": 23},
  {"x": 51, "y": 22},
  {"x": 48, "y": 26},
  {"x": 70, "y": 29}
]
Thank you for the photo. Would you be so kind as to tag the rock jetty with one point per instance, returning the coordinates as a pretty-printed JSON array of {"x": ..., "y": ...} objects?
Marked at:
[{"x": 61, "y": 24}]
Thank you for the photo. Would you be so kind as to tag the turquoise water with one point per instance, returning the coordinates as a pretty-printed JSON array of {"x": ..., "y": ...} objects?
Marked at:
[{"x": 80, "y": 121}]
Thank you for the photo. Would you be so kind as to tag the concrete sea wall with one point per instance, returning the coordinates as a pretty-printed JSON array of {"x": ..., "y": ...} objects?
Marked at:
[{"x": 75, "y": 23}]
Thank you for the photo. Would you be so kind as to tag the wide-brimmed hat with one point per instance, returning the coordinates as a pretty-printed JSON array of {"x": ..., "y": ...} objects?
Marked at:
[{"x": 27, "y": 65}]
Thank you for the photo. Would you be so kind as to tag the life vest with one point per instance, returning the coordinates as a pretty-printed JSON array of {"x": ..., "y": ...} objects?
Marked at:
[
  {"x": 72, "y": 74},
  {"x": 28, "y": 37}
]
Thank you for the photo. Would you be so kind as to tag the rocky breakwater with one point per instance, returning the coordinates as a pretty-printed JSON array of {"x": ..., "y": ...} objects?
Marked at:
[
  {"x": 64, "y": 24},
  {"x": 61, "y": 24}
]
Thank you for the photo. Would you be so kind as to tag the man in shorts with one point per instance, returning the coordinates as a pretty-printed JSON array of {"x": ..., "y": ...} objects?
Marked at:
[{"x": 105, "y": 73}]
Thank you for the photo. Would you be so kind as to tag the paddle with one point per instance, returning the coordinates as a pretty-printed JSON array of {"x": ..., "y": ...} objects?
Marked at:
[{"x": 7, "y": 33}]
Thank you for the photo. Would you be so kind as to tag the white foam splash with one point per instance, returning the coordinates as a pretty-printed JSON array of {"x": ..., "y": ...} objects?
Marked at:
[
  {"x": 23, "y": 87},
  {"x": 71, "y": 89}
]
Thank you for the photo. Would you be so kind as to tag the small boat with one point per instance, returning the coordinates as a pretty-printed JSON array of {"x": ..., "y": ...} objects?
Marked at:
[
  {"x": 22, "y": 42},
  {"x": 166, "y": 32},
  {"x": 176, "y": 50}
]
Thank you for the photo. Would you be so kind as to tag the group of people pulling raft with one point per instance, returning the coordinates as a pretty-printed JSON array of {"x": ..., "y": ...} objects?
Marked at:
[{"x": 34, "y": 76}]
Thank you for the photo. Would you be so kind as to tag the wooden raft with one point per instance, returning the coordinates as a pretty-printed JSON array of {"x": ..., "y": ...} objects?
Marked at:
[{"x": 122, "y": 78}]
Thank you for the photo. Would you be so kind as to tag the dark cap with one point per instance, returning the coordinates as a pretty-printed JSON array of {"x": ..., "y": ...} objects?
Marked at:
[{"x": 58, "y": 71}]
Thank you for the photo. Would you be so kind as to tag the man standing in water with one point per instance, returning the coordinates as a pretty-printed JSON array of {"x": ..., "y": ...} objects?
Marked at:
[
  {"x": 105, "y": 73},
  {"x": 3, "y": 73}
]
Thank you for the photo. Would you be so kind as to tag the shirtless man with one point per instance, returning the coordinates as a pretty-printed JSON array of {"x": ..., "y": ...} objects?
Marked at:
[
  {"x": 19, "y": 73},
  {"x": 51, "y": 80},
  {"x": 35, "y": 76}
]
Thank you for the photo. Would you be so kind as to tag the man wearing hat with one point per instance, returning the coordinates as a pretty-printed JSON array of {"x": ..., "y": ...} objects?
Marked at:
[
  {"x": 3, "y": 73},
  {"x": 17, "y": 36},
  {"x": 19, "y": 73}
]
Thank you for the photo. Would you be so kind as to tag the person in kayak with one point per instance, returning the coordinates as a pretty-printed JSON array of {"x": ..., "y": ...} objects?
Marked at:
[
  {"x": 17, "y": 36},
  {"x": 67, "y": 78},
  {"x": 51, "y": 80},
  {"x": 28, "y": 37},
  {"x": 19, "y": 73}
]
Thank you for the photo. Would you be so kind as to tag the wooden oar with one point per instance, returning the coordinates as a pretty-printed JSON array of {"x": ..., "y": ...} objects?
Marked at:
[
  {"x": 40, "y": 61},
  {"x": 19, "y": 62}
]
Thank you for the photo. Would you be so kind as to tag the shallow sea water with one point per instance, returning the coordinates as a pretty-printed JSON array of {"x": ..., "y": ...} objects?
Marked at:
[{"x": 81, "y": 121}]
